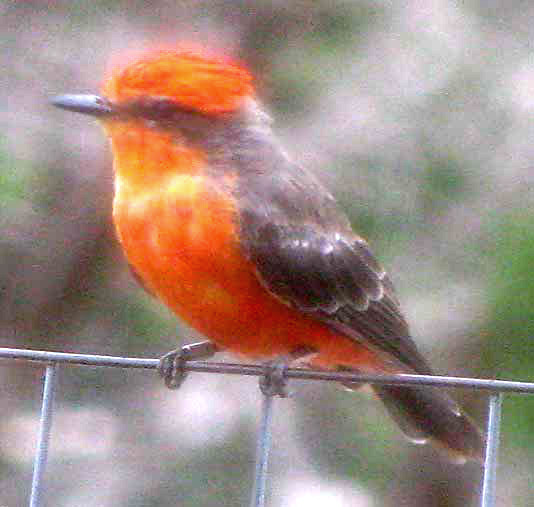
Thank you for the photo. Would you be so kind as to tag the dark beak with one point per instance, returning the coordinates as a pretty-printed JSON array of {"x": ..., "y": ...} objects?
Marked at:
[{"x": 86, "y": 104}]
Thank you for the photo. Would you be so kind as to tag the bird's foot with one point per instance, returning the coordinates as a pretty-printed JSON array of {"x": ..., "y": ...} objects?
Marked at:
[
  {"x": 172, "y": 365},
  {"x": 274, "y": 382}
]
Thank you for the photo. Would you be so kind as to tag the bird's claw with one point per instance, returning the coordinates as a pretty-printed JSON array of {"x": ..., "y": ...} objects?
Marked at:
[
  {"x": 274, "y": 382},
  {"x": 171, "y": 368}
]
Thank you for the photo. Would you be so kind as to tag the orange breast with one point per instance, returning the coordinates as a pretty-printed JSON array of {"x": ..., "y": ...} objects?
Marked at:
[{"x": 180, "y": 235}]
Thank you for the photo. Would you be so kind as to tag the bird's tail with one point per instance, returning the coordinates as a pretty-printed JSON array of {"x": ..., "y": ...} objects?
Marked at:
[{"x": 428, "y": 414}]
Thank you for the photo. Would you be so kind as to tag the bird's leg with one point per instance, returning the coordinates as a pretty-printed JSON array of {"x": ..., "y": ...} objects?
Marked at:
[
  {"x": 273, "y": 382},
  {"x": 171, "y": 365}
]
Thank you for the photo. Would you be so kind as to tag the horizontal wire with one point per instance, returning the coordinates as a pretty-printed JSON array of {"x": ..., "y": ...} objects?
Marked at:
[{"x": 259, "y": 370}]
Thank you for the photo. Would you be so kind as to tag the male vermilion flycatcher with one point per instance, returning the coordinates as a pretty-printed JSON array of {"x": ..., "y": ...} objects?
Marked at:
[{"x": 246, "y": 246}]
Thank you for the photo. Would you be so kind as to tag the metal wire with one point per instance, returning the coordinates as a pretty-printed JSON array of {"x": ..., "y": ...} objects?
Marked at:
[
  {"x": 492, "y": 449},
  {"x": 45, "y": 426},
  {"x": 262, "y": 452},
  {"x": 52, "y": 359},
  {"x": 258, "y": 371}
]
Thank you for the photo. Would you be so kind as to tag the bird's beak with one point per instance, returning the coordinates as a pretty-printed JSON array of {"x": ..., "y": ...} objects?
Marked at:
[{"x": 86, "y": 104}]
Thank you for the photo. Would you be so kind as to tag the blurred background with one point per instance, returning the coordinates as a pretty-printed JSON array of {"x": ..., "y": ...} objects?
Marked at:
[{"x": 418, "y": 116}]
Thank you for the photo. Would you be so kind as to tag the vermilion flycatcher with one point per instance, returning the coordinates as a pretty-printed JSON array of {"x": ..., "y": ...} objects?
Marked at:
[{"x": 246, "y": 246}]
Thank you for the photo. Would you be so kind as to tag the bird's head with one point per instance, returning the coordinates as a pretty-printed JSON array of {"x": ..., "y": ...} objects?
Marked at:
[
  {"x": 171, "y": 109},
  {"x": 164, "y": 83}
]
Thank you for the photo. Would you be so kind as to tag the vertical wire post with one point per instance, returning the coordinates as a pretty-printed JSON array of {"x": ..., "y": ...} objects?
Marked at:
[
  {"x": 492, "y": 449},
  {"x": 44, "y": 434},
  {"x": 262, "y": 452}
]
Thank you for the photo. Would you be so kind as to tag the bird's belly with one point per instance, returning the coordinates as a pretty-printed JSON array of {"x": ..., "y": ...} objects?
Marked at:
[{"x": 186, "y": 251}]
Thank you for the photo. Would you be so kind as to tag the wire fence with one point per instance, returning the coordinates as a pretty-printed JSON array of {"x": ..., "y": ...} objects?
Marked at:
[{"x": 53, "y": 360}]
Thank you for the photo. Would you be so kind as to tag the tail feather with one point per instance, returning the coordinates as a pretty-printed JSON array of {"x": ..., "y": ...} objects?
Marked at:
[{"x": 429, "y": 414}]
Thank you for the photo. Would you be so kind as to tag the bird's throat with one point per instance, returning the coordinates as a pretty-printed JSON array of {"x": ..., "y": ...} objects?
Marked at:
[{"x": 145, "y": 157}]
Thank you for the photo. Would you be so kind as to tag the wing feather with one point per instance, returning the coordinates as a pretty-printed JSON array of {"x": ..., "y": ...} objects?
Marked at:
[{"x": 307, "y": 255}]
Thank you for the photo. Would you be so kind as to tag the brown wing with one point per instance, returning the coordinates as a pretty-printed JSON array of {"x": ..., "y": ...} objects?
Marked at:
[
  {"x": 307, "y": 255},
  {"x": 337, "y": 281}
]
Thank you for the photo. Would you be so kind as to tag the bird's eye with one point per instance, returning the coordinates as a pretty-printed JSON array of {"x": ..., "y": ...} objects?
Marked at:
[
  {"x": 155, "y": 108},
  {"x": 163, "y": 107}
]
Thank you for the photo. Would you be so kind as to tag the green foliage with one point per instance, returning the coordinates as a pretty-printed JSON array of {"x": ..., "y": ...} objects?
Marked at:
[
  {"x": 379, "y": 217},
  {"x": 340, "y": 27},
  {"x": 510, "y": 258},
  {"x": 509, "y": 348},
  {"x": 14, "y": 175},
  {"x": 350, "y": 436},
  {"x": 215, "y": 475},
  {"x": 21, "y": 181},
  {"x": 304, "y": 68},
  {"x": 143, "y": 327},
  {"x": 444, "y": 183}
]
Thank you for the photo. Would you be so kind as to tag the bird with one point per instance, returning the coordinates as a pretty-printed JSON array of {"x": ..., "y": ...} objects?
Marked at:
[{"x": 248, "y": 247}]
